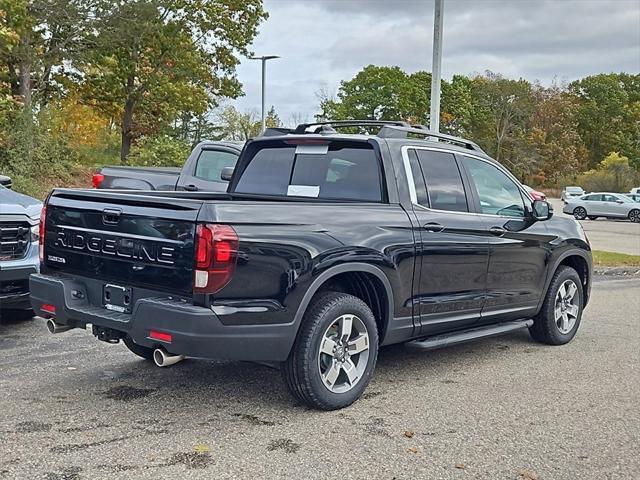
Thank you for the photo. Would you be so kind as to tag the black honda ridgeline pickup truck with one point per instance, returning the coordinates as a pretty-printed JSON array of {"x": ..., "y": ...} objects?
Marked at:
[{"x": 325, "y": 247}]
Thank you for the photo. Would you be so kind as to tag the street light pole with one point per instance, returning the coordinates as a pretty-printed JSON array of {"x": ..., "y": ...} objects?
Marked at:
[
  {"x": 264, "y": 59},
  {"x": 436, "y": 67}
]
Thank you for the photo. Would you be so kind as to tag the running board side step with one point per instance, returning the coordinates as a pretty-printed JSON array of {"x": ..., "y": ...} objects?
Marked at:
[{"x": 462, "y": 336}]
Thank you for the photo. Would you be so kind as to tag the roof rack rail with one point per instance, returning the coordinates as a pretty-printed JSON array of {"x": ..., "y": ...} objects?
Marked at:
[
  {"x": 394, "y": 131},
  {"x": 302, "y": 128},
  {"x": 276, "y": 131}
]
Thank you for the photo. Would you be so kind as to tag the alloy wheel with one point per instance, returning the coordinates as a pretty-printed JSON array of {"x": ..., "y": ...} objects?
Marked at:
[
  {"x": 580, "y": 213},
  {"x": 634, "y": 216},
  {"x": 566, "y": 307},
  {"x": 343, "y": 353}
]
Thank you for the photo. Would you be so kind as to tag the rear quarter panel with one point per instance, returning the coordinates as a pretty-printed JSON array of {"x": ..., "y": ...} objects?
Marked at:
[{"x": 285, "y": 246}]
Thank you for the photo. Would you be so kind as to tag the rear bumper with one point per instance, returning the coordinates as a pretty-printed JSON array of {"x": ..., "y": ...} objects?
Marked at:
[
  {"x": 14, "y": 276},
  {"x": 195, "y": 331}
]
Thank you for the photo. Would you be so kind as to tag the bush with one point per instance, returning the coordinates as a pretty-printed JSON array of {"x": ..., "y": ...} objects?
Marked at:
[
  {"x": 160, "y": 151},
  {"x": 614, "y": 174},
  {"x": 35, "y": 156}
]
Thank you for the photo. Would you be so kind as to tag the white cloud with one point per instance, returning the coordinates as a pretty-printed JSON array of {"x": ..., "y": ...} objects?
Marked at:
[{"x": 325, "y": 41}]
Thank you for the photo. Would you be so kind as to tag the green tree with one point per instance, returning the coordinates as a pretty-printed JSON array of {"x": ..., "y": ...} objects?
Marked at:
[
  {"x": 154, "y": 59},
  {"x": 374, "y": 93},
  {"x": 609, "y": 115},
  {"x": 43, "y": 36},
  {"x": 239, "y": 126},
  {"x": 272, "y": 119}
]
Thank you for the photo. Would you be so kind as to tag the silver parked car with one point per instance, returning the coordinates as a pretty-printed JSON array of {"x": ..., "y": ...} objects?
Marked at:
[
  {"x": 571, "y": 192},
  {"x": 603, "y": 204}
]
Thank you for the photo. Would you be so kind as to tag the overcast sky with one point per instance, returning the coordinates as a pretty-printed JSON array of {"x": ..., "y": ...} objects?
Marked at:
[{"x": 324, "y": 41}]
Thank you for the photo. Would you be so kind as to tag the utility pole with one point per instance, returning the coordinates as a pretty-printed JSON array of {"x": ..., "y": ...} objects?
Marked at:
[
  {"x": 264, "y": 59},
  {"x": 436, "y": 67}
]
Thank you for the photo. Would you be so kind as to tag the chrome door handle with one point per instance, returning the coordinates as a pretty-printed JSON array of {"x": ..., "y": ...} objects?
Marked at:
[
  {"x": 497, "y": 231},
  {"x": 433, "y": 227}
]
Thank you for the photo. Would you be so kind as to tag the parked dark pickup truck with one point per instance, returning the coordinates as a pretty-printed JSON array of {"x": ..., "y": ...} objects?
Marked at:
[
  {"x": 326, "y": 247},
  {"x": 201, "y": 171}
]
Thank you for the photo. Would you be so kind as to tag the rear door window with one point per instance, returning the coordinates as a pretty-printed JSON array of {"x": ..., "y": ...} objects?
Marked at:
[
  {"x": 336, "y": 170},
  {"x": 445, "y": 189}
]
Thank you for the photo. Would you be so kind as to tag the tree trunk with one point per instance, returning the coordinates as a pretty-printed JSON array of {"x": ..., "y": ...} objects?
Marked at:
[
  {"x": 127, "y": 120},
  {"x": 24, "y": 71},
  {"x": 127, "y": 123}
]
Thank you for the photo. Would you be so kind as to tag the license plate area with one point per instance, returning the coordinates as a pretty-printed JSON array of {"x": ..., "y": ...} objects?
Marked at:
[{"x": 117, "y": 298}]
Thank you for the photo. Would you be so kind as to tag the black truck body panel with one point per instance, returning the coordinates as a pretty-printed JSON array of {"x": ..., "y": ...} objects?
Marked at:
[{"x": 419, "y": 280}]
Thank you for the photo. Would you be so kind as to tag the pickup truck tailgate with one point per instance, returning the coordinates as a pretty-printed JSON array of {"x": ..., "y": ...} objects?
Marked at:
[{"x": 131, "y": 240}]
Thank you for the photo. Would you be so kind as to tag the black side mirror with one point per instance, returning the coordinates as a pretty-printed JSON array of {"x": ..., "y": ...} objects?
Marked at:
[
  {"x": 226, "y": 173},
  {"x": 5, "y": 181},
  {"x": 542, "y": 210}
]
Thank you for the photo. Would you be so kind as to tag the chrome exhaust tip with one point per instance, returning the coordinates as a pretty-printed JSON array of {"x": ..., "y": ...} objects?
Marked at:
[
  {"x": 54, "y": 327},
  {"x": 164, "y": 359}
]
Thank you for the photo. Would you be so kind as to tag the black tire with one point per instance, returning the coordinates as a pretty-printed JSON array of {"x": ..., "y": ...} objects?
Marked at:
[
  {"x": 580, "y": 213},
  {"x": 592, "y": 217},
  {"x": 545, "y": 328},
  {"x": 301, "y": 371},
  {"x": 144, "y": 352},
  {"x": 634, "y": 215}
]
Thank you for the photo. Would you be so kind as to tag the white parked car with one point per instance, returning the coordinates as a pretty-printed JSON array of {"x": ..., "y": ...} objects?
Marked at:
[
  {"x": 635, "y": 191},
  {"x": 603, "y": 204}
]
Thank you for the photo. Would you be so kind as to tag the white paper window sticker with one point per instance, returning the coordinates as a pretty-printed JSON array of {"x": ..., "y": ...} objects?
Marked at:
[{"x": 303, "y": 191}]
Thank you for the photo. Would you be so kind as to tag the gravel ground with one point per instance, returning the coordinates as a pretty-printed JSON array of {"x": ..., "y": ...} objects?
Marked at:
[{"x": 503, "y": 408}]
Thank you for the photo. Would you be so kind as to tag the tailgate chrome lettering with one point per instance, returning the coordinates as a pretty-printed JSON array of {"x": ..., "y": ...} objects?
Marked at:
[{"x": 134, "y": 247}]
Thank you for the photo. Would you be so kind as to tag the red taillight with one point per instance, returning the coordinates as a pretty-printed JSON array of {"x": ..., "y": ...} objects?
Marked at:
[
  {"x": 97, "y": 180},
  {"x": 163, "y": 337},
  {"x": 46, "y": 307},
  {"x": 216, "y": 255},
  {"x": 41, "y": 231}
]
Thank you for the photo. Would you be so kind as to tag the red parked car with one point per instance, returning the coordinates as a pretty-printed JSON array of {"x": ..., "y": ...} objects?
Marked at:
[{"x": 535, "y": 194}]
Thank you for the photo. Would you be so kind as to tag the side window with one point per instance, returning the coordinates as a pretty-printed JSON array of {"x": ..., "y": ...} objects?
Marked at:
[
  {"x": 609, "y": 198},
  {"x": 497, "y": 193},
  {"x": 211, "y": 162},
  {"x": 418, "y": 179},
  {"x": 445, "y": 189},
  {"x": 593, "y": 198}
]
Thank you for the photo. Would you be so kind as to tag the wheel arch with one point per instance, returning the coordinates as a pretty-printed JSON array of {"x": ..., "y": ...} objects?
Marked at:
[
  {"x": 363, "y": 280},
  {"x": 581, "y": 262}
]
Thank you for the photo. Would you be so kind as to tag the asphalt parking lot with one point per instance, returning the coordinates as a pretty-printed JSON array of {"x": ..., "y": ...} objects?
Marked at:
[
  {"x": 620, "y": 236},
  {"x": 504, "y": 408}
]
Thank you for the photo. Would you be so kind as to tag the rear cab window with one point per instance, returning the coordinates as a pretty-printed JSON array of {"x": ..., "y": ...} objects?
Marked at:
[{"x": 322, "y": 169}]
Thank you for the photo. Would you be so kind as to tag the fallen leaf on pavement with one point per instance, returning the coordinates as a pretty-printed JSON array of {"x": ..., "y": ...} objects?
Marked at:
[
  {"x": 409, "y": 433},
  {"x": 528, "y": 475},
  {"x": 201, "y": 448},
  {"x": 413, "y": 450},
  {"x": 460, "y": 466}
]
